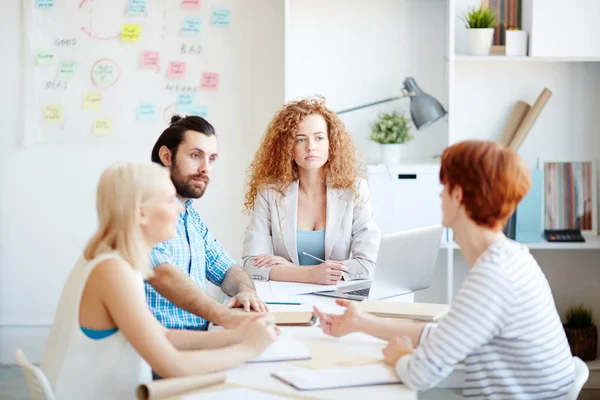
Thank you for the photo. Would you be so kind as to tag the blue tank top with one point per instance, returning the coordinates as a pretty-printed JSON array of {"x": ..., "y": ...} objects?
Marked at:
[{"x": 312, "y": 242}]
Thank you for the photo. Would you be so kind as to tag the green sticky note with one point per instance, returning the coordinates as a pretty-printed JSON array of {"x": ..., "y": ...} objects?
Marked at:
[
  {"x": 66, "y": 69},
  {"x": 44, "y": 57},
  {"x": 221, "y": 17}
]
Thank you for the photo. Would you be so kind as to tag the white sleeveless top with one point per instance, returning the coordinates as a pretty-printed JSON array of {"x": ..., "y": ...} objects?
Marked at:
[{"x": 79, "y": 367}]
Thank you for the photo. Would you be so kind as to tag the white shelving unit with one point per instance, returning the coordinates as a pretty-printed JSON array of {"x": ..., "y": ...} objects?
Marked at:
[
  {"x": 503, "y": 58},
  {"x": 463, "y": 69},
  {"x": 591, "y": 243}
]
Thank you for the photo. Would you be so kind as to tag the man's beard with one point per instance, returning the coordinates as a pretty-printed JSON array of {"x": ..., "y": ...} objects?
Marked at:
[{"x": 185, "y": 186}]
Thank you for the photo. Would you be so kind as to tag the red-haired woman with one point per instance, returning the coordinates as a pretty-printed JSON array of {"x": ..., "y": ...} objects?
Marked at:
[
  {"x": 503, "y": 321},
  {"x": 306, "y": 196}
]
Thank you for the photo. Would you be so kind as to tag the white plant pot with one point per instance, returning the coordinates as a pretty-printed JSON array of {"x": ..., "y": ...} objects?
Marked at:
[
  {"x": 392, "y": 153},
  {"x": 479, "y": 41},
  {"x": 516, "y": 43}
]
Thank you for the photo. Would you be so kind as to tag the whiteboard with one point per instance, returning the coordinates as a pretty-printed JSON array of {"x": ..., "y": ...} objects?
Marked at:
[{"x": 117, "y": 70}]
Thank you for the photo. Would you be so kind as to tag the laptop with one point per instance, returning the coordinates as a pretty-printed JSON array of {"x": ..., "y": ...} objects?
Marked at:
[{"x": 405, "y": 263}]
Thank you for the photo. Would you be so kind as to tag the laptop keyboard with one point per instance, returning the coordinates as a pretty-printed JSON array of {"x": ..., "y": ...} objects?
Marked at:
[{"x": 360, "y": 292}]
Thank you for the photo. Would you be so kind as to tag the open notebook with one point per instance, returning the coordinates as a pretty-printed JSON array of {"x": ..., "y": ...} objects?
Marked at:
[{"x": 335, "y": 378}]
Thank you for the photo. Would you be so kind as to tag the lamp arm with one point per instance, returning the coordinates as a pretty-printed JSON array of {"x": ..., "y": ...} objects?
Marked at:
[{"x": 405, "y": 93}]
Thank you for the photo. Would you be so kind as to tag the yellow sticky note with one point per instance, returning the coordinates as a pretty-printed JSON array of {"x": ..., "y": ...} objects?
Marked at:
[
  {"x": 53, "y": 113},
  {"x": 92, "y": 101},
  {"x": 131, "y": 32},
  {"x": 102, "y": 126}
]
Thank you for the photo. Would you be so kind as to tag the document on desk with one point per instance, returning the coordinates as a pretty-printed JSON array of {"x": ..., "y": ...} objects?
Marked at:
[
  {"x": 326, "y": 357},
  {"x": 292, "y": 288},
  {"x": 285, "y": 348},
  {"x": 336, "y": 378},
  {"x": 234, "y": 394}
]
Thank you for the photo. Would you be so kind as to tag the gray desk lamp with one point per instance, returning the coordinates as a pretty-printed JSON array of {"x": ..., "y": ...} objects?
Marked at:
[{"x": 424, "y": 108}]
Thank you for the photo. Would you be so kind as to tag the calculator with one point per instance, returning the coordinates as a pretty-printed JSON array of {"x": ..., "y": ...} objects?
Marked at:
[{"x": 564, "y": 235}]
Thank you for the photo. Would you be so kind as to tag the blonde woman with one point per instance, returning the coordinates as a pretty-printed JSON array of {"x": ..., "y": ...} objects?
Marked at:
[
  {"x": 311, "y": 218},
  {"x": 104, "y": 340}
]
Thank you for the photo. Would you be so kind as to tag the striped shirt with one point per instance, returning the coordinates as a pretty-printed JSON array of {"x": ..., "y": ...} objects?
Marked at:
[
  {"x": 503, "y": 323},
  {"x": 200, "y": 256}
]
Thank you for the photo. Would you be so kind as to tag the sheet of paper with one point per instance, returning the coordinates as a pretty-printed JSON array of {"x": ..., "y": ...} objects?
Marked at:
[
  {"x": 234, "y": 394},
  {"x": 328, "y": 356},
  {"x": 147, "y": 112},
  {"x": 176, "y": 70},
  {"x": 209, "y": 81},
  {"x": 92, "y": 101},
  {"x": 102, "y": 126},
  {"x": 190, "y": 4},
  {"x": 66, "y": 68},
  {"x": 191, "y": 26},
  {"x": 150, "y": 60},
  {"x": 44, "y": 4},
  {"x": 44, "y": 57},
  {"x": 364, "y": 375},
  {"x": 185, "y": 100},
  {"x": 131, "y": 32},
  {"x": 105, "y": 73},
  {"x": 53, "y": 113},
  {"x": 285, "y": 348},
  {"x": 201, "y": 111},
  {"x": 291, "y": 288},
  {"x": 221, "y": 17},
  {"x": 136, "y": 7}
]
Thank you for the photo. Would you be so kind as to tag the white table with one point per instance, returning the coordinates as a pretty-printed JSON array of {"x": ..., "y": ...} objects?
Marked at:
[{"x": 259, "y": 374}]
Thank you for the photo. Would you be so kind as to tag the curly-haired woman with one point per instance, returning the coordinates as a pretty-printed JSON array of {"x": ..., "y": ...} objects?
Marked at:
[{"x": 306, "y": 195}]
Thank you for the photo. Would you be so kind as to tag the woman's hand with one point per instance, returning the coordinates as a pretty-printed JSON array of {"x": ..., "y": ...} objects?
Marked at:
[
  {"x": 269, "y": 260},
  {"x": 396, "y": 348},
  {"x": 327, "y": 273},
  {"x": 340, "y": 325}
]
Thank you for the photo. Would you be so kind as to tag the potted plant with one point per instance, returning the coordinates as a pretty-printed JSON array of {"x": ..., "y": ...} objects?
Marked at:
[
  {"x": 391, "y": 131},
  {"x": 581, "y": 332},
  {"x": 480, "y": 30}
]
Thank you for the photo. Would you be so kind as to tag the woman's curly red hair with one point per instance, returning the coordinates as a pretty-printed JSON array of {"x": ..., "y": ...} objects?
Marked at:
[
  {"x": 493, "y": 178},
  {"x": 274, "y": 164}
]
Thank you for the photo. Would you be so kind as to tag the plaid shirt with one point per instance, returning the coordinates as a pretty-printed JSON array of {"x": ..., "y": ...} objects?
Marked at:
[{"x": 199, "y": 255}]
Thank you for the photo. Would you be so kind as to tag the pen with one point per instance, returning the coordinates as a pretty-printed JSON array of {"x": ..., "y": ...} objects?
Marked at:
[
  {"x": 284, "y": 303},
  {"x": 311, "y": 256}
]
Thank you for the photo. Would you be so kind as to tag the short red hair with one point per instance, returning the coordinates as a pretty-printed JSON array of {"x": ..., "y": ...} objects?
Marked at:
[{"x": 493, "y": 179}]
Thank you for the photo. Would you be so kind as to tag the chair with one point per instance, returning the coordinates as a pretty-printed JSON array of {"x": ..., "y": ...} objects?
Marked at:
[
  {"x": 39, "y": 387},
  {"x": 582, "y": 374}
]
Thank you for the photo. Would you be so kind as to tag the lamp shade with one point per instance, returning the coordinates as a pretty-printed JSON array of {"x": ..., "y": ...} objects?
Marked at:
[{"x": 424, "y": 108}]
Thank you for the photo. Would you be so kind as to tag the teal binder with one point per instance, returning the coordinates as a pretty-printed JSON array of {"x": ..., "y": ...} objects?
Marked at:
[{"x": 529, "y": 221}]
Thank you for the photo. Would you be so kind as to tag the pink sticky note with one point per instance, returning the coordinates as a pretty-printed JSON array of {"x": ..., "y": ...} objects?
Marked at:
[
  {"x": 190, "y": 4},
  {"x": 209, "y": 81},
  {"x": 176, "y": 70},
  {"x": 150, "y": 60}
]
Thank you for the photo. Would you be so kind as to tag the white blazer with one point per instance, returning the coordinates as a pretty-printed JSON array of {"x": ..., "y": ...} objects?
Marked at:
[{"x": 351, "y": 234}]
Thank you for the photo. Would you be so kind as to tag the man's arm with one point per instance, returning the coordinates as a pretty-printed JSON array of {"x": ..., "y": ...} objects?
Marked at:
[
  {"x": 233, "y": 280},
  {"x": 179, "y": 289},
  {"x": 236, "y": 281}
]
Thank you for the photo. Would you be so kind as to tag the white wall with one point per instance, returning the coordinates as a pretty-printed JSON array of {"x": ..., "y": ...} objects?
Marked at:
[
  {"x": 48, "y": 192},
  {"x": 359, "y": 51}
]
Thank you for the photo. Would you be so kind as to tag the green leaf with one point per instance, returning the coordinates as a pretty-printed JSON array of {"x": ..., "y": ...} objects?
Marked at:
[{"x": 391, "y": 128}]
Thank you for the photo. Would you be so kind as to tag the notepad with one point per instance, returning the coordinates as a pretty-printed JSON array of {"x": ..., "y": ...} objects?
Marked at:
[
  {"x": 325, "y": 356},
  {"x": 416, "y": 311},
  {"x": 234, "y": 394},
  {"x": 303, "y": 318},
  {"x": 335, "y": 378},
  {"x": 285, "y": 348},
  {"x": 293, "y": 288}
]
